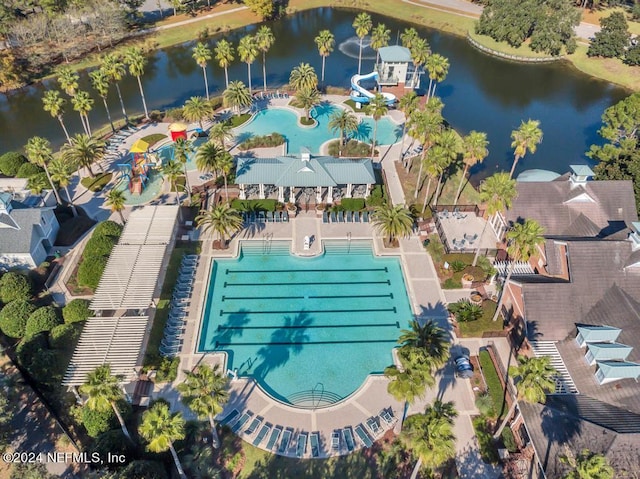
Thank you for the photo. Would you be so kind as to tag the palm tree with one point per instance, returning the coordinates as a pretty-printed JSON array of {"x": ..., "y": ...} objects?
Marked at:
[
  {"x": 325, "y": 42},
  {"x": 115, "y": 70},
  {"x": 380, "y": 36},
  {"x": 407, "y": 105},
  {"x": 53, "y": 103},
  {"x": 100, "y": 83},
  {"x": 393, "y": 221},
  {"x": 345, "y": 122},
  {"x": 225, "y": 165},
  {"x": 426, "y": 345},
  {"x": 586, "y": 465},
  {"x": 197, "y": 109},
  {"x": 525, "y": 139},
  {"x": 535, "y": 378},
  {"x": 205, "y": 391},
  {"x": 135, "y": 59},
  {"x": 37, "y": 183},
  {"x": 61, "y": 172},
  {"x": 307, "y": 98},
  {"x": 202, "y": 54},
  {"x": 377, "y": 108},
  {"x": 181, "y": 150},
  {"x": 497, "y": 192},
  {"x": 222, "y": 219},
  {"x": 420, "y": 52},
  {"x": 103, "y": 392},
  {"x": 434, "y": 164},
  {"x": 523, "y": 241},
  {"x": 236, "y": 96},
  {"x": 408, "y": 37},
  {"x": 264, "y": 41},
  {"x": 220, "y": 133},
  {"x": 447, "y": 148},
  {"x": 68, "y": 80},
  {"x": 224, "y": 54},
  {"x": 474, "y": 151},
  {"x": 407, "y": 384},
  {"x": 83, "y": 151},
  {"x": 83, "y": 103},
  {"x": 207, "y": 157},
  {"x": 303, "y": 77},
  {"x": 424, "y": 126},
  {"x": 438, "y": 67},
  {"x": 39, "y": 153},
  {"x": 161, "y": 428},
  {"x": 362, "y": 25},
  {"x": 248, "y": 51},
  {"x": 172, "y": 170},
  {"x": 116, "y": 200}
]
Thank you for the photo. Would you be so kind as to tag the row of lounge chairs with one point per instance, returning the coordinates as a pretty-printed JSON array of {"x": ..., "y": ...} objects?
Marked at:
[
  {"x": 266, "y": 217},
  {"x": 344, "y": 438},
  {"x": 345, "y": 217},
  {"x": 270, "y": 96},
  {"x": 172, "y": 341}
]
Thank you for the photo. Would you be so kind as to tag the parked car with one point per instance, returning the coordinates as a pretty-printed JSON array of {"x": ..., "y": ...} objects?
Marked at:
[{"x": 464, "y": 369}]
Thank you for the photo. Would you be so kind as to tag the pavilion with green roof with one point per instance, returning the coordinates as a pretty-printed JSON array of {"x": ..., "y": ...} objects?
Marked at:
[{"x": 291, "y": 174}]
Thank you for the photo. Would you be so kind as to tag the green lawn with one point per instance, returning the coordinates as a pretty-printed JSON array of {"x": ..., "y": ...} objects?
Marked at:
[
  {"x": 97, "y": 183},
  {"x": 154, "y": 138},
  {"x": 474, "y": 329},
  {"x": 494, "y": 384},
  {"x": 503, "y": 47},
  {"x": 237, "y": 120}
]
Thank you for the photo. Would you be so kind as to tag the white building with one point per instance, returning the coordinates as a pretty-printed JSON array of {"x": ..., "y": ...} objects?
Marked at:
[{"x": 396, "y": 68}]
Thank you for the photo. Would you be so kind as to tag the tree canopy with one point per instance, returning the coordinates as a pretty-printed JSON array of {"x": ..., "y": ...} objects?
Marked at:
[{"x": 612, "y": 38}]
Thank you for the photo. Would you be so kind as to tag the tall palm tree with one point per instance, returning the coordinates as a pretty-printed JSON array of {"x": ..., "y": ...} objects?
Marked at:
[
  {"x": 205, "y": 391},
  {"x": 136, "y": 60},
  {"x": 197, "y": 109},
  {"x": 68, "y": 80},
  {"x": 61, "y": 173},
  {"x": 408, "y": 37},
  {"x": 172, "y": 170},
  {"x": 83, "y": 103},
  {"x": 224, "y": 54},
  {"x": 474, "y": 151},
  {"x": 202, "y": 54},
  {"x": 39, "y": 153},
  {"x": 115, "y": 70},
  {"x": 426, "y": 345},
  {"x": 448, "y": 146},
  {"x": 207, "y": 157},
  {"x": 434, "y": 163},
  {"x": 116, "y": 201},
  {"x": 380, "y": 36},
  {"x": 525, "y": 139},
  {"x": 523, "y": 241},
  {"x": 53, "y": 103},
  {"x": 307, "y": 98},
  {"x": 362, "y": 25},
  {"x": 424, "y": 126},
  {"x": 225, "y": 165},
  {"x": 161, "y": 428},
  {"x": 37, "y": 183},
  {"x": 438, "y": 68},
  {"x": 535, "y": 378},
  {"x": 100, "y": 82},
  {"x": 393, "y": 221},
  {"x": 407, "y": 105},
  {"x": 420, "y": 52},
  {"x": 103, "y": 392},
  {"x": 248, "y": 51},
  {"x": 407, "y": 384},
  {"x": 182, "y": 149},
  {"x": 377, "y": 108},
  {"x": 586, "y": 465},
  {"x": 264, "y": 41},
  {"x": 345, "y": 122},
  {"x": 83, "y": 151},
  {"x": 497, "y": 192},
  {"x": 220, "y": 133},
  {"x": 303, "y": 77},
  {"x": 325, "y": 42},
  {"x": 222, "y": 219},
  {"x": 236, "y": 96}
]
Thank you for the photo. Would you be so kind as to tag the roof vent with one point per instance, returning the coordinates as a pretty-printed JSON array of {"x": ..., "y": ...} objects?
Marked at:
[{"x": 580, "y": 173}]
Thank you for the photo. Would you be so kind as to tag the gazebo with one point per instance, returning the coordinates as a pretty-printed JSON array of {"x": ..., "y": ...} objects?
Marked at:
[{"x": 288, "y": 173}]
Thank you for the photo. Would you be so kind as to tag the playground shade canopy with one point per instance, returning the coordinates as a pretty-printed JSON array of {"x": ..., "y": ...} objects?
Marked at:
[{"x": 140, "y": 146}]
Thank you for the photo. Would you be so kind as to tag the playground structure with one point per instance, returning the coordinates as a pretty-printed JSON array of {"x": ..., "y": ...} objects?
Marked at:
[
  {"x": 136, "y": 172},
  {"x": 364, "y": 96},
  {"x": 178, "y": 130}
]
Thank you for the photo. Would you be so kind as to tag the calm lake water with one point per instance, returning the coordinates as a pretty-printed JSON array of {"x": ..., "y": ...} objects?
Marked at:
[{"x": 480, "y": 92}]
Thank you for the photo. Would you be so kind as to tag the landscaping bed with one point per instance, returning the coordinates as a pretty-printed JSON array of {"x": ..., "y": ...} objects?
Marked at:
[
  {"x": 154, "y": 138},
  {"x": 255, "y": 205},
  {"x": 265, "y": 141},
  {"x": 353, "y": 149},
  {"x": 71, "y": 227},
  {"x": 237, "y": 120},
  {"x": 97, "y": 183}
]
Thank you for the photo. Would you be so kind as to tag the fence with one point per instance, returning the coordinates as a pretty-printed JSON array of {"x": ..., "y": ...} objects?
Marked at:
[{"x": 515, "y": 58}]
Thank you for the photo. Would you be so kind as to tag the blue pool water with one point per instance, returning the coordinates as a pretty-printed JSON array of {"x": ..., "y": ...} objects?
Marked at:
[
  {"x": 166, "y": 153},
  {"x": 308, "y": 330},
  {"x": 285, "y": 122}
]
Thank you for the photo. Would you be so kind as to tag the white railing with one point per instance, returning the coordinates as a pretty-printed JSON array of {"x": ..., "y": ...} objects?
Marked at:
[{"x": 520, "y": 268}]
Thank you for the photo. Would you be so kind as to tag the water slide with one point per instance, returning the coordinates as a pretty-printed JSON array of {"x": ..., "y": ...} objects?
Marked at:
[{"x": 361, "y": 95}]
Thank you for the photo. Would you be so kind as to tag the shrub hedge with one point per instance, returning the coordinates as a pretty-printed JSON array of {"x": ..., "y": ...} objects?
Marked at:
[
  {"x": 96, "y": 253},
  {"x": 90, "y": 271},
  {"x": 494, "y": 386},
  {"x": 42, "y": 320},
  {"x": 64, "y": 335},
  {"x": 76, "y": 310},
  {"x": 98, "y": 422},
  {"x": 11, "y": 162},
  {"x": 254, "y": 205},
  {"x": 265, "y": 141},
  {"x": 14, "y": 286},
  {"x": 352, "y": 204},
  {"x": 27, "y": 170},
  {"x": 14, "y": 316},
  {"x": 108, "y": 228}
]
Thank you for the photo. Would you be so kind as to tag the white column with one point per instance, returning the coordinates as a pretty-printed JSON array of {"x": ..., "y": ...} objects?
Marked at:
[
  {"x": 292, "y": 194},
  {"x": 349, "y": 187},
  {"x": 367, "y": 190},
  {"x": 330, "y": 195},
  {"x": 281, "y": 194},
  {"x": 261, "y": 193},
  {"x": 242, "y": 196},
  {"x": 318, "y": 194}
]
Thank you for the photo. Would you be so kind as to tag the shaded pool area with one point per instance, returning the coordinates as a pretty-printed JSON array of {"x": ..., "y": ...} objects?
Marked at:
[
  {"x": 285, "y": 122},
  {"x": 308, "y": 331},
  {"x": 151, "y": 190}
]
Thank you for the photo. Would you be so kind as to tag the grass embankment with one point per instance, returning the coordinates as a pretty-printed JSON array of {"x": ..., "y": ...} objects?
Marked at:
[
  {"x": 521, "y": 51},
  {"x": 609, "y": 69},
  {"x": 153, "y": 138},
  {"x": 97, "y": 183}
]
